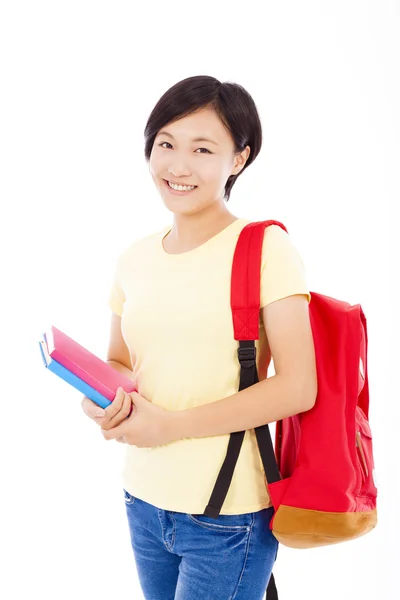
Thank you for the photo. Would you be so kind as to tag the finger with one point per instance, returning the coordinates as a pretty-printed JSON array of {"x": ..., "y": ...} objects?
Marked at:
[
  {"x": 115, "y": 432},
  {"x": 91, "y": 409},
  {"x": 119, "y": 417},
  {"x": 115, "y": 406}
]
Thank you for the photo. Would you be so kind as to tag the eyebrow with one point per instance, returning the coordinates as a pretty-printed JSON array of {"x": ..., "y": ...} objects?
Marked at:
[{"x": 197, "y": 139}]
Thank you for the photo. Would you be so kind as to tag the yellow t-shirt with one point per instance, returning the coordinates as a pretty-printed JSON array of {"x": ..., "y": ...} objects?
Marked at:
[{"x": 177, "y": 323}]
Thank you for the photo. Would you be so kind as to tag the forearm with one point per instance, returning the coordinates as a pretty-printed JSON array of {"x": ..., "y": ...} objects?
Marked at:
[{"x": 269, "y": 400}]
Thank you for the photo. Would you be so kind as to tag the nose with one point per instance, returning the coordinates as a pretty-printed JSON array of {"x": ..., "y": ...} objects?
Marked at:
[{"x": 179, "y": 170}]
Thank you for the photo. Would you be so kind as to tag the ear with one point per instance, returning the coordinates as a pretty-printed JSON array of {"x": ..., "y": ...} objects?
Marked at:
[{"x": 240, "y": 160}]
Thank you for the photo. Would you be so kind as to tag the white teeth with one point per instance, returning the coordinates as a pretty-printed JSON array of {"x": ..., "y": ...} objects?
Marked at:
[{"x": 181, "y": 188}]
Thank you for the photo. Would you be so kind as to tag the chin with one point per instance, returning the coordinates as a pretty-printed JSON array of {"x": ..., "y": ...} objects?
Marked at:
[{"x": 177, "y": 209}]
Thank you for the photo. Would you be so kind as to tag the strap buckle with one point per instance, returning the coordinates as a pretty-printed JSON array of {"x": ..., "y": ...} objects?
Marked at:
[{"x": 247, "y": 356}]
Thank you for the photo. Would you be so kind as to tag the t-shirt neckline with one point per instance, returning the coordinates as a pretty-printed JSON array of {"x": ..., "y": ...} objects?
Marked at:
[{"x": 200, "y": 248}]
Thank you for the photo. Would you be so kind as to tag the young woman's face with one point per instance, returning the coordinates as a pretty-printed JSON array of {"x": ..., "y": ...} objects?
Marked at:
[{"x": 178, "y": 157}]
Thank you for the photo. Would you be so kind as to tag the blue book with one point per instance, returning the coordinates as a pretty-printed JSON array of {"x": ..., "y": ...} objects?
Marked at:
[{"x": 72, "y": 379}]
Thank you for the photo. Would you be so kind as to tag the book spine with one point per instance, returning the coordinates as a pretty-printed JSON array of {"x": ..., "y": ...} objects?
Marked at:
[{"x": 80, "y": 385}]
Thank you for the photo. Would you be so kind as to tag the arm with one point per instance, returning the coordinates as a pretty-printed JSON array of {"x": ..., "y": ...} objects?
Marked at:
[
  {"x": 121, "y": 368},
  {"x": 118, "y": 355},
  {"x": 293, "y": 388}
]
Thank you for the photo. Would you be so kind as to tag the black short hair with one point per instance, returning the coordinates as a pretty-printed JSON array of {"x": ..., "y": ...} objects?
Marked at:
[{"x": 232, "y": 103}]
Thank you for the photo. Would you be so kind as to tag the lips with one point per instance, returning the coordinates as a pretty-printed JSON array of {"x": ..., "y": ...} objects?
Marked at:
[
  {"x": 174, "y": 192},
  {"x": 176, "y": 183}
]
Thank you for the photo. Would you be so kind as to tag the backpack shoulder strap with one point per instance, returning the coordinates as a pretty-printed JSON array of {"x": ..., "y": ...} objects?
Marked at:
[{"x": 246, "y": 284}]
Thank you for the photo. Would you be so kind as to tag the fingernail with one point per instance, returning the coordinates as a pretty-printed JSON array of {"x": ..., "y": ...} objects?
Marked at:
[{"x": 100, "y": 413}]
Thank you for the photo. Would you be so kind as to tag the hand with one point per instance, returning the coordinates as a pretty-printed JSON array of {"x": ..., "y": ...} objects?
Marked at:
[
  {"x": 149, "y": 425},
  {"x": 114, "y": 414}
]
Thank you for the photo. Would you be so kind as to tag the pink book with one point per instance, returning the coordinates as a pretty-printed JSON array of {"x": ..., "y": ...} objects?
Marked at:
[{"x": 85, "y": 365}]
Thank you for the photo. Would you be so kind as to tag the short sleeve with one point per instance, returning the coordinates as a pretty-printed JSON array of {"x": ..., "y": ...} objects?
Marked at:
[
  {"x": 282, "y": 269},
  {"x": 116, "y": 298}
]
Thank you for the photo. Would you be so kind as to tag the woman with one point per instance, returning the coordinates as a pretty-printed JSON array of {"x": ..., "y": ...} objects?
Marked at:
[{"x": 172, "y": 333}]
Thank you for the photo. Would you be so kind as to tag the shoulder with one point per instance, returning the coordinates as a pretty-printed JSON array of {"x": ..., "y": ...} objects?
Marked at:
[
  {"x": 278, "y": 243},
  {"x": 140, "y": 246},
  {"x": 282, "y": 269},
  {"x": 275, "y": 234}
]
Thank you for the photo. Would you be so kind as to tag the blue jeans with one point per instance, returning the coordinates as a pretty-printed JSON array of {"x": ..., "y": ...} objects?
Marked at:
[{"x": 181, "y": 556}]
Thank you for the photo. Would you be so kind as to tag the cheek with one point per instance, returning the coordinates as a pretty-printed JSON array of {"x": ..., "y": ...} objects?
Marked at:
[
  {"x": 214, "y": 171},
  {"x": 156, "y": 161},
  {"x": 156, "y": 171}
]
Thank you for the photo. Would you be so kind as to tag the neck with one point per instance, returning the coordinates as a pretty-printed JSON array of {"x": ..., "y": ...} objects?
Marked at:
[{"x": 191, "y": 230}]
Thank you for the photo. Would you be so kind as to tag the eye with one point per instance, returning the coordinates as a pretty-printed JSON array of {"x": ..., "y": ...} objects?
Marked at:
[{"x": 205, "y": 150}]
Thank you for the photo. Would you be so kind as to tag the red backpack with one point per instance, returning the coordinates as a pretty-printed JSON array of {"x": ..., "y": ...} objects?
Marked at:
[{"x": 320, "y": 475}]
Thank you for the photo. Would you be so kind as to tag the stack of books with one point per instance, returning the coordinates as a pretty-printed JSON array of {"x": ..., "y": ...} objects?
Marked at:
[{"x": 79, "y": 367}]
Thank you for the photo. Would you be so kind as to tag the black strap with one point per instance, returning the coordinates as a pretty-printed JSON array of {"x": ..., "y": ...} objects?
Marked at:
[
  {"x": 272, "y": 592},
  {"x": 248, "y": 376}
]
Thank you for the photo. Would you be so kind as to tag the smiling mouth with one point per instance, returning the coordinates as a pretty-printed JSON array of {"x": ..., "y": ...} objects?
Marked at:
[{"x": 191, "y": 188}]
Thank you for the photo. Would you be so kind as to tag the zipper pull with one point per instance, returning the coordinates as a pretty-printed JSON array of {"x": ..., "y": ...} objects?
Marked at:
[{"x": 361, "y": 450}]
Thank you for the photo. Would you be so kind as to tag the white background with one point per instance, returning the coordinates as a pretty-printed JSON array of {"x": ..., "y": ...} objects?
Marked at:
[{"x": 79, "y": 80}]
